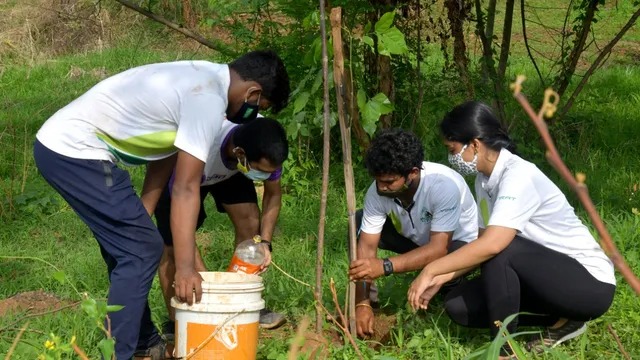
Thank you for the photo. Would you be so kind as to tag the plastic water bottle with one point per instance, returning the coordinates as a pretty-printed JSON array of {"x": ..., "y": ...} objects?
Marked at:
[{"x": 248, "y": 257}]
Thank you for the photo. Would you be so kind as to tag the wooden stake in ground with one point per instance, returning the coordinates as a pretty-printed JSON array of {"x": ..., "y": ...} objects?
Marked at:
[
  {"x": 325, "y": 168},
  {"x": 345, "y": 132}
]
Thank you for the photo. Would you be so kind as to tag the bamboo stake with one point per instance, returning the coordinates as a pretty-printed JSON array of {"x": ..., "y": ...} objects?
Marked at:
[
  {"x": 345, "y": 132},
  {"x": 325, "y": 167},
  {"x": 576, "y": 183}
]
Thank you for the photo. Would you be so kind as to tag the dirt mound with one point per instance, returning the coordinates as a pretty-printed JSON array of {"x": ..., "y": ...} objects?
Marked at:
[{"x": 30, "y": 301}]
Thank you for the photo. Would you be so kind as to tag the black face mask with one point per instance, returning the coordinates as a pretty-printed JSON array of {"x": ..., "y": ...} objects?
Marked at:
[
  {"x": 396, "y": 193},
  {"x": 246, "y": 113}
]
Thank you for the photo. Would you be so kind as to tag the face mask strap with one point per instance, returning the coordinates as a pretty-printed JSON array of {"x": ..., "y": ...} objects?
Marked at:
[{"x": 242, "y": 166}]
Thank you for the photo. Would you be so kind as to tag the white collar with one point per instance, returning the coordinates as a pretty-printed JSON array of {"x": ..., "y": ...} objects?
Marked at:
[{"x": 489, "y": 183}]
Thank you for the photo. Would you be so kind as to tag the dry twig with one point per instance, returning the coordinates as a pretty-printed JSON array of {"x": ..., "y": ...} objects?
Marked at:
[
  {"x": 332, "y": 286},
  {"x": 15, "y": 341},
  {"x": 79, "y": 352},
  {"x": 576, "y": 183},
  {"x": 617, "y": 339},
  {"x": 298, "y": 340}
]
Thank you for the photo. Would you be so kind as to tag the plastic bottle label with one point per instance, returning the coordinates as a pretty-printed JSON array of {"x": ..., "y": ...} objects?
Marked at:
[{"x": 243, "y": 267}]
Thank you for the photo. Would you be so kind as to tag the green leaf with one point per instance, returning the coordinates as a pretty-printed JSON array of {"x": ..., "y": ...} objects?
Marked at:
[
  {"x": 385, "y": 22},
  {"x": 106, "y": 347},
  {"x": 317, "y": 82},
  {"x": 60, "y": 276},
  {"x": 384, "y": 105},
  {"x": 89, "y": 306},
  {"x": 367, "y": 40},
  {"x": 362, "y": 99},
  {"x": 301, "y": 102},
  {"x": 304, "y": 130},
  {"x": 377, "y": 106},
  {"x": 367, "y": 28},
  {"x": 292, "y": 129},
  {"x": 393, "y": 42},
  {"x": 414, "y": 342},
  {"x": 114, "y": 308},
  {"x": 299, "y": 118}
]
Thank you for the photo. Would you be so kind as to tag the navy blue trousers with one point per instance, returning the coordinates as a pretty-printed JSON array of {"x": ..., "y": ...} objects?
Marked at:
[{"x": 104, "y": 198}]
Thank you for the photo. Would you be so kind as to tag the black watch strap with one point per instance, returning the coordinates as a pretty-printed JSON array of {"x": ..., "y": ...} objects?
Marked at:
[
  {"x": 387, "y": 265},
  {"x": 268, "y": 245}
]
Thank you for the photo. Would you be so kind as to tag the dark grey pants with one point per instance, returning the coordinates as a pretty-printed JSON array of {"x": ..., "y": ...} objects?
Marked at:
[{"x": 391, "y": 240}]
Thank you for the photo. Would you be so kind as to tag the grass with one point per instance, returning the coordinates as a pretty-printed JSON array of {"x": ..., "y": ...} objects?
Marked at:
[{"x": 600, "y": 137}]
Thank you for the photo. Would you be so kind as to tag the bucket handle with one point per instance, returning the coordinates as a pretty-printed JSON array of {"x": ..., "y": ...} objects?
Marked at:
[{"x": 210, "y": 337}]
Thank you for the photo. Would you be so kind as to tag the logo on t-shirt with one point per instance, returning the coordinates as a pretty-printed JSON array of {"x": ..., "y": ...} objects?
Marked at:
[
  {"x": 425, "y": 215},
  {"x": 216, "y": 177}
]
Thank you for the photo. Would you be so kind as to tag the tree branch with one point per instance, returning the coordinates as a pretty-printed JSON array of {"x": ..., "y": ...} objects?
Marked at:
[
  {"x": 576, "y": 183},
  {"x": 526, "y": 42},
  {"x": 216, "y": 45},
  {"x": 603, "y": 54}
]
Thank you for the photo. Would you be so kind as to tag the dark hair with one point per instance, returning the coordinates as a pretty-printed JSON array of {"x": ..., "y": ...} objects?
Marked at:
[
  {"x": 267, "y": 69},
  {"x": 394, "y": 151},
  {"x": 475, "y": 120},
  {"x": 262, "y": 138}
]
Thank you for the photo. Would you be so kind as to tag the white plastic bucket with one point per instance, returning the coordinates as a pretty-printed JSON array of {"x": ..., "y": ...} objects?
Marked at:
[{"x": 224, "y": 325}]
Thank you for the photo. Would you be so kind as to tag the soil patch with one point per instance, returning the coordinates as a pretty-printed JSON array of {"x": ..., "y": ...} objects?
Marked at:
[
  {"x": 30, "y": 301},
  {"x": 382, "y": 327}
]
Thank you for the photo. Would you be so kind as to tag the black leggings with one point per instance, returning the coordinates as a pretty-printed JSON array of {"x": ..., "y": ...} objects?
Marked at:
[{"x": 528, "y": 277}]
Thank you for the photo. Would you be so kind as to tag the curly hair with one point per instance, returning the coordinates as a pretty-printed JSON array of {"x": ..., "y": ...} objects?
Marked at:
[{"x": 394, "y": 151}]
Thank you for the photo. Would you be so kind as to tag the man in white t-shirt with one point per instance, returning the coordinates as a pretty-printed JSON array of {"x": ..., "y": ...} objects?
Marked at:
[
  {"x": 241, "y": 154},
  {"x": 167, "y": 116},
  {"x": 417, "y": 209}
]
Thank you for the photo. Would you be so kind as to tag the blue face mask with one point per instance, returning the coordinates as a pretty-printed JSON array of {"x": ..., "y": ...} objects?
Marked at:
[
  {"x": 257, "y": 175},
  {"x": 252, "y": 174}
]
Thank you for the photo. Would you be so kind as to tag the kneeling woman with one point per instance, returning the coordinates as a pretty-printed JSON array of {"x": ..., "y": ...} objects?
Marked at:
[{"x": 535, "y": 255}]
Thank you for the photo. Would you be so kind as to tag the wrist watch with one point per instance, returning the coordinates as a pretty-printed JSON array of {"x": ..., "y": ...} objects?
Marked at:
[
  {"x": 387, "y": 265},
  {"x": 268, "y": 243}
]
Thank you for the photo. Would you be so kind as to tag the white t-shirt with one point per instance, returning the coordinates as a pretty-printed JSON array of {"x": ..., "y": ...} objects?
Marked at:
[
  {"x": 143, "y": 114},
  {"x": 519, "y": 196},
  {"x": 443, "y": 202}
]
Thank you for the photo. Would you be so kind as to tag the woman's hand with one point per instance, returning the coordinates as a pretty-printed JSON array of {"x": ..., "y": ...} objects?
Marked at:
[{"x": 422, "y": 290}]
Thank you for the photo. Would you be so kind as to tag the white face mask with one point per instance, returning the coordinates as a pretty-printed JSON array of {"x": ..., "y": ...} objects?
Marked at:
[{"x": 463, "y": 167}]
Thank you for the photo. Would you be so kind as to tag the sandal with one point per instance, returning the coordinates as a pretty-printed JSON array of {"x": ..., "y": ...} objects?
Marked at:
[{"x": 156, "y": 352}]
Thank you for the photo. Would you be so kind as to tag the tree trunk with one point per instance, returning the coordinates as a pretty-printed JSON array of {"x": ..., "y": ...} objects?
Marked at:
[
  {"x": 601, "y": 57},
  {"x": 482, "y": 34},
  {"x": 569, "y": 66},
  {"x": 506, "y": 40},
  {"x": 457, "y": 12},
  {"x": 352, "y": 104},
  {"x": 491, "y": 20},
  {"x": 379, "y": 66},
  {"x": 386, "y": 86}
]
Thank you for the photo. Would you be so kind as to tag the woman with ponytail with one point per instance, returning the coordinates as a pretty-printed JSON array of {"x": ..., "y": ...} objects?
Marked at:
[{"x": 534, "y": 253}]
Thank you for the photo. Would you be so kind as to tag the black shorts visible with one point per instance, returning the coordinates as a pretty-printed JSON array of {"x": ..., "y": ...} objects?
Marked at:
[{"x": 238, "y": 189}]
